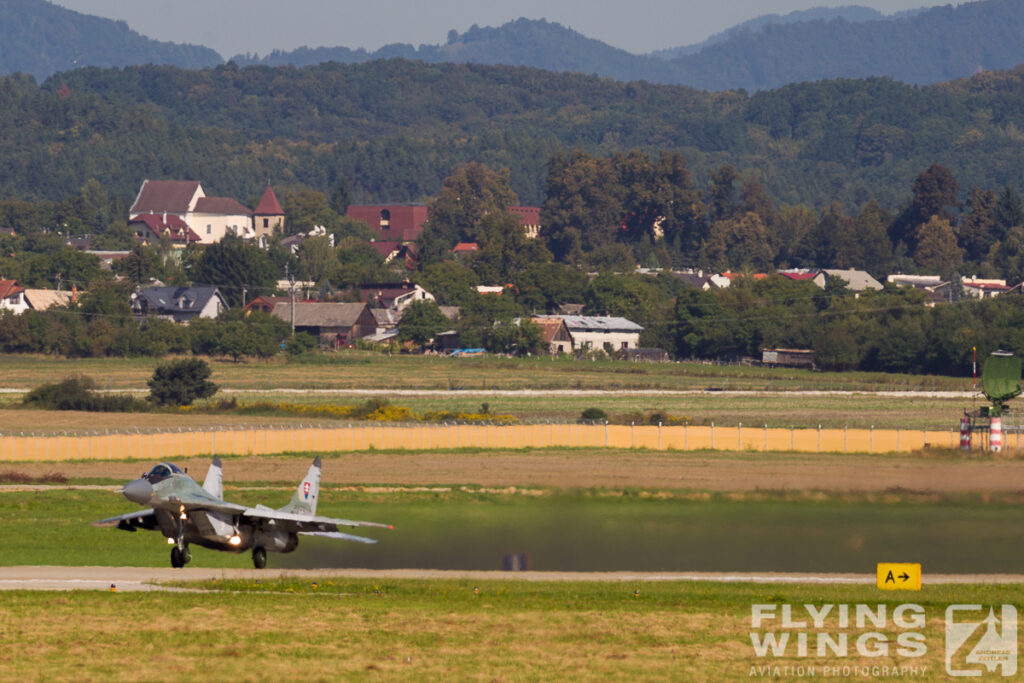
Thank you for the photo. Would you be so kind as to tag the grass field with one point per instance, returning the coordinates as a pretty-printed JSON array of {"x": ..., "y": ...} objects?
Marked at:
[
  {"x": 361, "y": 369},
  {"x": 417, "y": 630},
  {"x": 606, "y": 510}
]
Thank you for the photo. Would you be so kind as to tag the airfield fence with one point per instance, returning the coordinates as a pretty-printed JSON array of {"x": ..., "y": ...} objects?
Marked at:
[{"x": 165, "y": 444}]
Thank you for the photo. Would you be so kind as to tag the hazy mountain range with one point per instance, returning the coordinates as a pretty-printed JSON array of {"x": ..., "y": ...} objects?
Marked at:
[{"x": 918, "y": 47}]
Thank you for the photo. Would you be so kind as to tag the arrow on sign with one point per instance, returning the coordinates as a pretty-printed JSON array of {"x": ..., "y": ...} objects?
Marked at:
[{"x": 904, "y": 576}]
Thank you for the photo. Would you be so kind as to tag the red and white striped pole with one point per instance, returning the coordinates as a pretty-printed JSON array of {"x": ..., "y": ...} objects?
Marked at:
[
  {"x": 965, "y": 433},
  {"x": 995, "y": 436}
]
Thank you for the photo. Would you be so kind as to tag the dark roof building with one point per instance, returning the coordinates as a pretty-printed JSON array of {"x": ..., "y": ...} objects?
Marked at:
[{"x": 180, "y": 304}]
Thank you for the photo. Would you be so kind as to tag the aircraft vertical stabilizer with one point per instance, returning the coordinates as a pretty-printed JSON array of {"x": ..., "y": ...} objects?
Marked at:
[
  {"x": 214, "y": 482},
  {"x": 306, "y": 495}
]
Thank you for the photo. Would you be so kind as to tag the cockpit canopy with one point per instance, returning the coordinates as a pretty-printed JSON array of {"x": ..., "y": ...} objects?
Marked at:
[{"x": 161, "y": 472}]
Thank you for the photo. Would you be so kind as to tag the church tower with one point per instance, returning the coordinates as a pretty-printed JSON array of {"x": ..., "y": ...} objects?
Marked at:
[{"x": 268, "y": 217}]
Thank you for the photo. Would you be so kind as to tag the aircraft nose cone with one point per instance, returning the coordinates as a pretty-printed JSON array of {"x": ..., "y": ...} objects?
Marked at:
[{"x": 138, "y": 491}]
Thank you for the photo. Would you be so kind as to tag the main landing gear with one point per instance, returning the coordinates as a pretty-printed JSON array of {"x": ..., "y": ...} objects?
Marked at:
[{"x": 259, "y": 556}]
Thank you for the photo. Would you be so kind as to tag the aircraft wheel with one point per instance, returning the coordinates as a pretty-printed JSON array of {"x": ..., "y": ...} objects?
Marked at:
[
  {"x": 259, "y": 557},
  {"x": 177, "y": 558}
]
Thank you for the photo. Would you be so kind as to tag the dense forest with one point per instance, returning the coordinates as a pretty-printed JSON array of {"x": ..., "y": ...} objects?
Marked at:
[{"x": 395, "y": 129}]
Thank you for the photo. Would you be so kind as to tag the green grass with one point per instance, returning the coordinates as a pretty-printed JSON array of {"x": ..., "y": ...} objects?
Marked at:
[
  {"x": 473, "y": 528},
  {"x": 416, "y": 630}
]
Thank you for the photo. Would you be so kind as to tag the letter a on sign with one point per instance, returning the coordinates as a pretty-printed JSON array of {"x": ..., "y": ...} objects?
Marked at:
[{"x": 899, "y": 576}]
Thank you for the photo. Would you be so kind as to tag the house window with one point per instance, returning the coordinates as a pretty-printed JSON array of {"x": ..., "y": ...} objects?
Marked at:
[
  {"x": 266, "y": 222},
  {"x": 385, "y": 219},
  {"x": 625, "y": 344},
  {"x": 209, "y": 229}
]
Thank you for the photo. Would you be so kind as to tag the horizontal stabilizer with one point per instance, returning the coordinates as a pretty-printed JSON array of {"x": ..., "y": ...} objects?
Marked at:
[
  {"x": 339, "y": 535},
  {"x": 143, "y": 519}
]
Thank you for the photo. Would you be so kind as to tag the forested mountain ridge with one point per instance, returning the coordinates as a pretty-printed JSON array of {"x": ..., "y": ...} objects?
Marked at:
[
  {"x": 524, "y": 42},
  {"x": 40, "y": 38},
  {"x": 395, "y": 129}
]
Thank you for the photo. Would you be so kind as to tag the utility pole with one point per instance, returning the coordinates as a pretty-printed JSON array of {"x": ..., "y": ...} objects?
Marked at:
[{"x": 291, "y": 289}]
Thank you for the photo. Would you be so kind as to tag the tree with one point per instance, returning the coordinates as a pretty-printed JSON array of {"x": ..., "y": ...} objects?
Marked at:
[
  {"x": 181, "y": 382},
  {"x": 140, "y": 266},
  {"x": 505, "y": 250},
  {"x": 233, "y": 265},
  {"x": 315, "y": 258},
  {"x": 421, "y": 322},
  {"x": 740, "y": 242},
  {"x": 306, "y": 209},
  {"x": 978, "y": 227},
  {"x": 471, "y": 192},
  {"x": 723, "y": 202},
  {"x": 937, "y": 250}
]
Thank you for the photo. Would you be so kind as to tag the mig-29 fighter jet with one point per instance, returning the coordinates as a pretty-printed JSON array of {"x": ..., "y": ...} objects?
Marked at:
[{"x": 188, "y": 513}]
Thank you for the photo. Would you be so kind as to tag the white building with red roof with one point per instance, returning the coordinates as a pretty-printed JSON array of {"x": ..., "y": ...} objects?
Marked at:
[
  {"x": 12, "y": 297},
  {"x": 210, "y": 218}
]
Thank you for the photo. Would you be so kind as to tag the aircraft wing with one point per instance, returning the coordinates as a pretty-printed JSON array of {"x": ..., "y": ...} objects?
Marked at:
[
  {"x": 130, "y": 521},
  {"x": 306, "y": 523}
]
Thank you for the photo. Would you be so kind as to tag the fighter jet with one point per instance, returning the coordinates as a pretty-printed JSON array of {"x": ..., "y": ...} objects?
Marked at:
[{"x": 188, "y": 513}]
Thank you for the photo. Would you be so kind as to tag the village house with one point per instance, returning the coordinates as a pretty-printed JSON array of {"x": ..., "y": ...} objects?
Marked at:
[
  {"x": 393, "y": 295},
  {"x": 180, "y": 304},
  {"x": 12, "y": 297},
  {"x": 606, "y": 333},
  {"x": 391, "y": 222},
  {"x": 404, "y": 222},
  {"x": 856, "y": 280},
  {"x": 554, "y": 334},
  {"x": 334, "y": 324},
  {"x": 43, "y": 299}
]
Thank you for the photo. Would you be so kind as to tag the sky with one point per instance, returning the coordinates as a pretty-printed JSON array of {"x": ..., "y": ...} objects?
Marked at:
[{"x": 234, "y": 27}]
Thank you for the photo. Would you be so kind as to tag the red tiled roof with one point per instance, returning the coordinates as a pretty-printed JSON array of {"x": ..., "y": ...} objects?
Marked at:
[
  {"x": 225, "y": 206},
  {"x": 465, "y": 247},
  {"x": 173, "y": 225},
  {"x": 385, "y": 249},
  {"x": 988, "y": 286},
  {"x": 269, "y": 206},
  {"x": 527, "y": 215},
  {"x": 157, "y": 196},
  {"x": 9, "y": 288},
  {"x": 799, "y": 276}
]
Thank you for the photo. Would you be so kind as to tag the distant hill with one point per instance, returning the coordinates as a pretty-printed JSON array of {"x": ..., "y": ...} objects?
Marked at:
[
  {"x": 851, "y": 13},
  {"x": 939, "y": 44},
  {"x": 918, "y": 47},
  {"x": 524, "y": 42},
  {"x": 39, "y": 38}
]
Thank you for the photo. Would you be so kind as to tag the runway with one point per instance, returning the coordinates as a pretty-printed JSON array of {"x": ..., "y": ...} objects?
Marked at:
[{"x": 128, "y": 579}]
